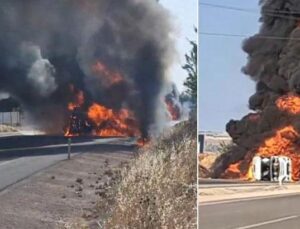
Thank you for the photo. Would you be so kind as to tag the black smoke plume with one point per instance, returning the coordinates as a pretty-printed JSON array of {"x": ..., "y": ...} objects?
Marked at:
[
  {"x": 274, "y": 64},
  {"x": 46, "y": 46}
]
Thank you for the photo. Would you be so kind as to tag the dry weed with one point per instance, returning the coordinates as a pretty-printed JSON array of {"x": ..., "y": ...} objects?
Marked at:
[{"x": 158, "y": 190}]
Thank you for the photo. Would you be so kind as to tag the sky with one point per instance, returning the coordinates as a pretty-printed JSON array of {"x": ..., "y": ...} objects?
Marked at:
[
  {"x": 184, "y": 14},
  {"x": 224, "y": 90}
]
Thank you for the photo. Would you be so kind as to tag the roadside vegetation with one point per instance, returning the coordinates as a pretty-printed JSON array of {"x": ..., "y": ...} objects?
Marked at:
[
  {"x": 158, "y": 188},
  {"x": 208, "y": 159},
  {"x": 7, "y": 128},
  {"x": 225, "y": 147}
]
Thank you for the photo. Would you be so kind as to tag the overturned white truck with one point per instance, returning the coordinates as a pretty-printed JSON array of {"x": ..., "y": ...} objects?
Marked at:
[{"x": 273, "y": 168}]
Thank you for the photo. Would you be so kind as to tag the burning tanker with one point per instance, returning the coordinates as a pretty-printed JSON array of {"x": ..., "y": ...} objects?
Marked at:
[
  {"x": 272, "y": 131},
  {"x": 87, "y": 66}
]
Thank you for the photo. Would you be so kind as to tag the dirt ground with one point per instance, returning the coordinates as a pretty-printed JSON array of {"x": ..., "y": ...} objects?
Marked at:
[{"x": 62, "y": 195}]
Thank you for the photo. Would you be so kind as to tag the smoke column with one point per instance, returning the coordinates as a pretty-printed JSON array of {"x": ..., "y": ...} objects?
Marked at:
[
  {"x": 46, "y": 46},
  {"x": 274, "y": 64}
]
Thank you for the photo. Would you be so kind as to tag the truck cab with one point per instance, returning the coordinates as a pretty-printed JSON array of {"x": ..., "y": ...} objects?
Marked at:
[{"x": 272, "y": 168}]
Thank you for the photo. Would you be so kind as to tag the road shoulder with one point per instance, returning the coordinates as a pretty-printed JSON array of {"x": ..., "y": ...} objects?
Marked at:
[
  {"x": 58, "y": 196},
  {"x": 239, "y": 192}
]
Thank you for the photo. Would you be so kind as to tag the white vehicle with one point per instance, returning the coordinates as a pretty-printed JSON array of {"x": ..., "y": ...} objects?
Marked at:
[{"x": 272, "y": 168}]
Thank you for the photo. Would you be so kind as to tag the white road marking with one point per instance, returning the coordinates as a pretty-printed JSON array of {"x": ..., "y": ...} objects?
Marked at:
[
  {"x": 7, "y": 162},
  {"x": 97, "y": 142},
  {"x": 247, "y": 199},
  {"x": 268, "y": 222}
]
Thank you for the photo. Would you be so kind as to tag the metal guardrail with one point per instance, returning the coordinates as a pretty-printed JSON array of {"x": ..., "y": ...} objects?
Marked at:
[{"x": 12, "y": 119}]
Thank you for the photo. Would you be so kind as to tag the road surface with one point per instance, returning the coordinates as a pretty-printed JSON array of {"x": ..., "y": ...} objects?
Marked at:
[
  {"x": 229, "y": 183},
  {"x": 22, "y": 156},
  {"x": 275, "y": 212}
]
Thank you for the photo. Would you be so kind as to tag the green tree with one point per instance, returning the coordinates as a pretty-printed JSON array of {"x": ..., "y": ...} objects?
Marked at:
[{"x": 191, "y": 67}]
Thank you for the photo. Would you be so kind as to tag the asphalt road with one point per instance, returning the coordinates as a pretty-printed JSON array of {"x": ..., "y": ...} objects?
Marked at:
[
  {"x": 23, "y": 156},
  {"x": 223, "y": 183},
  {"x": 275, "y": 212}
]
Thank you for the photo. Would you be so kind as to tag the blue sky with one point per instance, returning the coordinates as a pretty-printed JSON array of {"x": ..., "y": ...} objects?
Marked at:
[
  {"x": 223, "y": 89},
  {"x": 184, "y": 14}
]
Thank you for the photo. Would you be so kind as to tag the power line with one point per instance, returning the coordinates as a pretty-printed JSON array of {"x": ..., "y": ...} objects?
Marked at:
[
  {"x": 273, "y": 13},
  {"x": 222, "y": 34},
  {"x": 228, "y": 7},
  {"x": 247, "y": 36},
  {"x": 249, "y": 10}
]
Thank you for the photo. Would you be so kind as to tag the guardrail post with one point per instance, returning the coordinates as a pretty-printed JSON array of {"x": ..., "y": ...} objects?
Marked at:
[{"x": 69, "y": 148}]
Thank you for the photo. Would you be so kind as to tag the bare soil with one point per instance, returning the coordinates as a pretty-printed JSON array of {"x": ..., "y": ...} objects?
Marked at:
[{"x": 65, "y": 195}]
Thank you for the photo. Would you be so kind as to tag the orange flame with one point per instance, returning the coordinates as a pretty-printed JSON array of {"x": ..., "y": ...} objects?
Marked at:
[
  {"x": 234, "y": 168},
  {"x": 111, "y": 123},
  {"x": 79, "y": 101},
  {"x": 141, "y": 142},
  {"x": 173, "y": 110},
  {"x": 105, "y": 121},
  {"x": 289, "y": 103},
  {"x": 282, "y": 143},
  {"x": 109, "y": 77}
]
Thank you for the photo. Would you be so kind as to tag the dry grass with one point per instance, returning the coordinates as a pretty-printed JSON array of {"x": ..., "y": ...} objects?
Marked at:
[
  {"x": 6, "y": 128},
  {"x": 77, "y": 223},
  {"x": 158, "y": 189},
  {"x": 207, "y": 159}
]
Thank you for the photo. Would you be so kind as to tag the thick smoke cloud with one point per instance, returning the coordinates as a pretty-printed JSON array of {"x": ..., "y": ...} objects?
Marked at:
[
  {"x": 46, "y": 46},
  {"x": 274, "y": 64},
  {"x": 41, "y": 72}
]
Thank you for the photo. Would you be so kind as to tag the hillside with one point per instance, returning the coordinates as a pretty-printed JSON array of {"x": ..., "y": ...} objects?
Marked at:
[{"x": 158, "y": 188}]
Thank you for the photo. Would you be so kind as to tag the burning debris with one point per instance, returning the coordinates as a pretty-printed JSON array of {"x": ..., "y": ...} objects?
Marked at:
[
  {"x": 96, "y": 119},
  {"x": 283, "y": 143},
  {"x": 76, "y": 67},
  {"x": 273, "y": 130},
  {"x": 174, "y": 107}
]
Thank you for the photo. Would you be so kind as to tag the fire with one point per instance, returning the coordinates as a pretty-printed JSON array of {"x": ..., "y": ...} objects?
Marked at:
[
  {"x": 289, "y": 103},
  {"x": 234, "y": 168},
  {"x": 173, "y": 110},
  {"x": 109, "y": 77},
  {"x": 79, "y": 101},
  {"x": 235, "y": 171},
  {"x": 282, "y": 143},
  {"x": 141, "y": 142},
  {"x": 110, "y": 123},
  {"x": 98, "y": 120}
]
